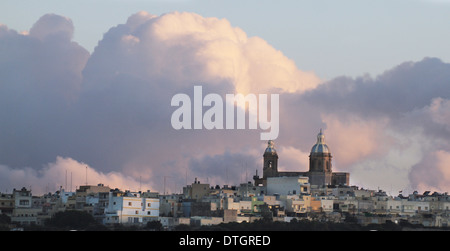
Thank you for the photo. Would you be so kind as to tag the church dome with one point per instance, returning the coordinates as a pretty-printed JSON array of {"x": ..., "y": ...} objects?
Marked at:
[
  {"x": 320, "y": 146},
  {"x": 270, "y": 147}
]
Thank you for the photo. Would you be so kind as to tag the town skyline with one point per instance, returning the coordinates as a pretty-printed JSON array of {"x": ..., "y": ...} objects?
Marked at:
[{"x": 168, "y": 188}]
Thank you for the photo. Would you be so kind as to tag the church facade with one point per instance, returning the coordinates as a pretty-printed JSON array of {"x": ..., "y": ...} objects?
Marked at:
[{"x": 320, "y": 168}]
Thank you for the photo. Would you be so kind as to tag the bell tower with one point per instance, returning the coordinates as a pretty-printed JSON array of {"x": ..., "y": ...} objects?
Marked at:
[
  {"x": 320, "y": 172},
  {"x": 270, "y": 166}
]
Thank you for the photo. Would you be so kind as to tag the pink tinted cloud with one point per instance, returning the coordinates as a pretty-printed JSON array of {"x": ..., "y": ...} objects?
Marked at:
[{"x": 352, "y": 139}]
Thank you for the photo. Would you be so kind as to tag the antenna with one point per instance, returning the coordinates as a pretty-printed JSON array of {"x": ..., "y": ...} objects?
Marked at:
[
  {"x": 165, "y": 185},
  {"x": 86, "y": 176},
  {"x": 226, "y": 174},
  {"x": 165, "y": 181},
  {"x": 246, "y": 178}
]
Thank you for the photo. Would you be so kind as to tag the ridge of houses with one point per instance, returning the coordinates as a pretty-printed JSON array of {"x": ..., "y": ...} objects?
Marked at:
[
  {"x": 318, "y": 194},
  {"x": 281, "y": 199}
]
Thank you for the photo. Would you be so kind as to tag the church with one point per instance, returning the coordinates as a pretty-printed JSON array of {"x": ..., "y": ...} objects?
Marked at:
[{"x": 320, "y": 170}]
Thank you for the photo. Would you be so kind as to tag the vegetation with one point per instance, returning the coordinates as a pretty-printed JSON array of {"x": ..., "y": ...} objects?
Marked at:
[
  {"x": 4, "y": 221},
  {"x": 294, "y": 225},
  {"x": 73, "y": 220},
  {"x": 154, "y": 225},
  {"x": 83, "y": 221}
]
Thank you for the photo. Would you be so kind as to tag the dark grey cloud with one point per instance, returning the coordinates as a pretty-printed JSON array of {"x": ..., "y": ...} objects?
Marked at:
[
  {"x": 225, "y": 168},
  {"x": 40, "y": 80},
  {"x": 408, "y": 86}
]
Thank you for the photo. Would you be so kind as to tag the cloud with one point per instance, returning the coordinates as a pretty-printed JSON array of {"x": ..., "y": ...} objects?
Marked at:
[
  {"x": 292, "y": 159},
  {"x": 52, "y": 25},
  {"x": 67, "y": 174},
  {"x": 432, "y": 172},
  {"x": 355, "y": 139},
  {"x": 384, "y": 126},
  {"x": 112, "y": 109},
  {"x": 378, "y": 128},
  {"x": 224, "y": 169},
  {"x": 186, "y": 48},
  {"x": 440, "y": 112},
  {"x": 40, "y": 80},
  {"x": 167, "y": 55},
  {"x": 408, "y": 86}
]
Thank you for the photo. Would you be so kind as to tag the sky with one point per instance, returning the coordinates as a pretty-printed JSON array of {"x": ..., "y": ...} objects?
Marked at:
[
  {"x": 331, "y": 38},
  {"x": 86, "y": 88}
]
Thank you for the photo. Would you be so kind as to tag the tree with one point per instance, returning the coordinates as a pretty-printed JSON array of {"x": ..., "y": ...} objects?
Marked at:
[
  {"x": 154, "y": 225},
  {"x": 4, "y": 221},
  {"x": 72, "y": 220}
]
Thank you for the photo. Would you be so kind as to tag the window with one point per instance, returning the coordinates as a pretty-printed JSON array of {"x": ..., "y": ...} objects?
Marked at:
[
  {"x": 137, "y": 212},
  {"x": 129, "y": 203},
  {"x": 24, "y": 202}
]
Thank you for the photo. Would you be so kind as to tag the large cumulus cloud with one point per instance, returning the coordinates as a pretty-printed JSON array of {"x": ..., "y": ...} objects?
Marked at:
[
  {"x": 185, "y": 48},
  {"x": 139, "y": 66},
  {"x": 111, "y": 110}
]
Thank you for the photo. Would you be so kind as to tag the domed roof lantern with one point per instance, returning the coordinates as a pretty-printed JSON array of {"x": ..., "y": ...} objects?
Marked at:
[
  {"x": 320, "y": 146},
  {"x": 270, "y": 147}
]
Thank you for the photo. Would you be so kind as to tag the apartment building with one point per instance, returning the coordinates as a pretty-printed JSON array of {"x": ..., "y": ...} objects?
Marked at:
[
  {"x": 24, "y": 213},
  {"x": 130, "y": 208}
]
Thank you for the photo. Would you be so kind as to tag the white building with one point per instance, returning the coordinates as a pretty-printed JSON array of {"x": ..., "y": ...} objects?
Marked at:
[
  {"x": 205, "y": 221},
  {"x": 231, "y": 204},
  {"x": 245, "y": 206},
  {"x": 25, "y": 212},
  {"x": 394, "y": 206},
  {"x": 414, "y": 207},
  {"x": 295, "y": 203},
  {"x": 288, "y": 185},
  {"x": 66, "y": 195},
  {"x": 327, "y": 205},
  {"x": 22, "y": 198},
  {"x": 131, "y": 208}
]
